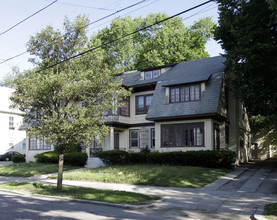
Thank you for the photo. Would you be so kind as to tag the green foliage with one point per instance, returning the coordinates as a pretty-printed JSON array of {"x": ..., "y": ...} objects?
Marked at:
[
  {"x": 47, "y": 157},
  {"x": 211, "y": 159},
  {"x": 18, "y": 158},
  {"x": 72, "y": 158},
  {"x": 75, "y": 159},
  {"x": 112, "y": 157},
  {"x": 247, "y": 32},
  {"x": 73, "y": 146},
  {"x": 165, "y": 43}
]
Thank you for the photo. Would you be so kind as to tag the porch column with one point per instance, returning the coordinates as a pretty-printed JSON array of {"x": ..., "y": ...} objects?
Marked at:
[{"x": 111, "y": 138}]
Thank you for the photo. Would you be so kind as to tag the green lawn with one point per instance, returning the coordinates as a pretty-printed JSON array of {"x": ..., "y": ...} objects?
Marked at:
[
  {"x": 271, "y": 211},
  {"x": 82, "y": 193},
  {"x": 30, "y": 169},
  {"x": 172, "y": 176}
]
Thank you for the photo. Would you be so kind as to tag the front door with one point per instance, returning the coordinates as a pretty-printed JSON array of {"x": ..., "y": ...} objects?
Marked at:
[{"x": 116, "y": 141}]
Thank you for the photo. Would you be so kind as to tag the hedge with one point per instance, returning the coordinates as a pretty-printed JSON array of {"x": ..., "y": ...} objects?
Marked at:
[
  {"x": 208, "y": 158},
  {"x": 18, "y": 158},
  {"x": 114, "y": 157},
  {"x": 74, "y": 158}
]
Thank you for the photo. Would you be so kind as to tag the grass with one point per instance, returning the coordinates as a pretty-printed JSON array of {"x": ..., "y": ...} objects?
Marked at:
[
  {"x": 170, "y": 176},
  {"x": 82, "y": 193},
  {"x": 271, "y": 210},
  {"x": 30, "y": 169}
]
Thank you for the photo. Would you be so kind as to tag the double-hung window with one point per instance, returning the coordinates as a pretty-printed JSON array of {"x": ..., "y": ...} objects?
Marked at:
[
  {"x": 11, "y": 122},
  {"x": 185, "y": 93},
  {"x": 134, "y": 138},
  {"x": 38, "y": 144},
  {"x": 143, "y": 103}
]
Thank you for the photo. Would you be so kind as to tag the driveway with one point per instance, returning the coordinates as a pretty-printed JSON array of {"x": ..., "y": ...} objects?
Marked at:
[{"x": 240, "y": 194}]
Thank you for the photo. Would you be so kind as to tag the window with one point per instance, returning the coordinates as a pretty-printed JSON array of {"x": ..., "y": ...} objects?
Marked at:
[
  {"x": 125, "y": 110},
  {"x": 32, "y": 143},
  {"x": 11, "y": 123},
  {"x": 143, "y": 103},
  {"x": 134, "y": 138},
  {"x": 39, "y": 144},
  {"x": 152, "y": 137},
  {"x": 182, "y": 135},
  {"x": 185, "y": 93},
  {"x": 152, "y": 74}
]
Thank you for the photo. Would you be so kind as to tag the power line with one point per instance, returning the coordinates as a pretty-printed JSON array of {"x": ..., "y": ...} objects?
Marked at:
[
  {"x": 28, "y": 17},
  {"x": 124, "y": 14},
  {"x": 123, "y": 9},
  {"x": 127, "y": 35},
  {"x": 84, "y": 6}
]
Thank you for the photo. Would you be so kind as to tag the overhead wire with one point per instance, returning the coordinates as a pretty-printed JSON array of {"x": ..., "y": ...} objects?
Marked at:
[
  {"x": 27, "y": 18},
  {"x": 100, "y": 19},
  {"x": 124, "y": 36},
  {"x": 124, "y": 14}
]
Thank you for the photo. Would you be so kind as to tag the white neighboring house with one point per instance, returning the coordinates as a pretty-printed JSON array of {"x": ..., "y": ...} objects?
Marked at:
[{"x": 12, "y": 137}]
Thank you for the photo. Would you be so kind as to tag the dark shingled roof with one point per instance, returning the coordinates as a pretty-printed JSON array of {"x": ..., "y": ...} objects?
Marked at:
[
  {"x": 209, "y": 70},
  {"x": 159, "y": 109},
  {"x": 193, "y": 71}
]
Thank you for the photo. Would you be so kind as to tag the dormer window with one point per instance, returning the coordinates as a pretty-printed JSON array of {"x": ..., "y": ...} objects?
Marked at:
[
  {"x": 186, "y": 93},
  {"x": 151, "y": 74}
]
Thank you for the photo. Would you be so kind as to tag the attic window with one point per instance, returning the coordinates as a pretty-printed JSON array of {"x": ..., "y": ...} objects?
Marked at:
[
  {"x": 187, "y": 93},
  {"x": 151, "y": 74}
]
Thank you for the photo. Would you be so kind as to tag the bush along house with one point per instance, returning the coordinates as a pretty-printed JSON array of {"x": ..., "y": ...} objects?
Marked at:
[{"x": 179, "y": 107}]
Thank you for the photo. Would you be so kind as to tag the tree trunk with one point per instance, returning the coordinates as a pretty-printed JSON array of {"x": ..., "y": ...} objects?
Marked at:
[{"x": 60, "y": 172}]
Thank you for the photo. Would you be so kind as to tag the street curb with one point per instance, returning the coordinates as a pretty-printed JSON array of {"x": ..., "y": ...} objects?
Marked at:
[{"x": 129, "y": 206}]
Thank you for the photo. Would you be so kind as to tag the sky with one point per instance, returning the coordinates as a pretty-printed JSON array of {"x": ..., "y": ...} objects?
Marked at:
[{"x": 13, "y": 41}]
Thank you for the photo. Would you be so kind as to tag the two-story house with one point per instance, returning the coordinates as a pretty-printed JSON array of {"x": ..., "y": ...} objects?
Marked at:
[
  {"x": 179, "y": 107},
  {"x": 12, "y": 137}
]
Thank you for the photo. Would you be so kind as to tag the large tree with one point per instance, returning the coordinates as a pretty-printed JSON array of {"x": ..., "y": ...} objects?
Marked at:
[
  {"x": 247, "y": 31},
  {"x": 164, "y": 43},
  {"x": 66, "y": 102}
]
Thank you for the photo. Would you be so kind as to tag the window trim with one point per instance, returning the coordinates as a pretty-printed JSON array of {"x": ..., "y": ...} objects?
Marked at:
[
  {"x": 145, "y": 110},
  {"x": 130, "y": 140},
  {"x": 38, "y": 142},
  {"x": 187, "y": 127},
  {"x": 127, "y": 100},
  {"x": 174, "y": 88},
  {"x": 11, "y": 123},
  {"x": 152, "y": 74}
]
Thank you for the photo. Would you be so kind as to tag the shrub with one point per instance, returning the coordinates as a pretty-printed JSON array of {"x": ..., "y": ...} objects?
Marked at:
[
  {"x": 113, "y": 157},
  {"x": 74, "y": 146},
  {"x": 75, "y": 158},
  {"x": 18, "y": 158},
  {"x": 47, "y": 157},
  {"x": 207, "y": 158},
  {"x": 138, "y": 158}
]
